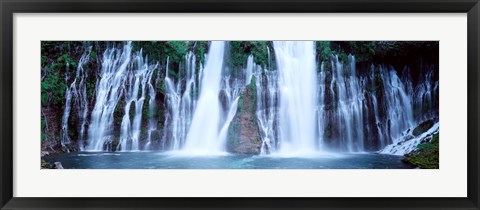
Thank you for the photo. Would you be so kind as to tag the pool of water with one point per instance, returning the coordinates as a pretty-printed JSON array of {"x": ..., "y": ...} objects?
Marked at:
[{"x": 159, "y": 160}]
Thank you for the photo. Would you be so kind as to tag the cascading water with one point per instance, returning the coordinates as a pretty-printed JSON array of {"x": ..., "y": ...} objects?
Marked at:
[
  {"x": 108, "y": 92},
  {"x": 202, "y": 138},
  {"x": 267, "y": 114},
  {"x": 346, "y": 86},
  {"x": 137, "y": 80},
  {"x": 120, "y": 76},
  {"x": 152, "y": 108},
  {"x": 180, "y": 105},
  {"x": 298, "y": 97},
  {"x": 301, "y": 108},
  {"x": 349, "y": 115},
  {"x": 66, "y": 112},
  {"x": 78, "y": 91},
  {"x": 399, "y": 112}
]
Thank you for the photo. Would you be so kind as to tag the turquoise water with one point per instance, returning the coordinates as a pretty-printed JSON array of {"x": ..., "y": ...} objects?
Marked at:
[{"x": 159, "y": 160}]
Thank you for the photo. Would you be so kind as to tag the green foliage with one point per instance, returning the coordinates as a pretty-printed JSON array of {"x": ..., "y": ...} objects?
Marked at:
[
  {"x": 240, "y": 103},
  {"x": 93, "y": 55},
  {"x": 172, "y": 74},
  {"x": 259, "y": 50},
  {"x": 252, "y": 88},
  {"x": 174, "y": 50},
  {"x": 363, "y": 50},
  {"x": 53, "y": 89},
  {"x": 238, "y": 54},
  {"x": 65, "y": 59},
  {"x": 343, "y": 57},
  {"x": 427, "y": 155},
  {"x": 240, "y": 50},
  {"x": 199, "y": 48},
  {"x": 323, "y": 50},
  {"x": 55, "y": 57},
  {"x": 161, "y": 87}
]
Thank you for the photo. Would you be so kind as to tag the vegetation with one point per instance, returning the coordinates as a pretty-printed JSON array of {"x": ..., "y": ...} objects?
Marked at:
[
  {"x": 427, "y": 154},
  {"x": 240, "y": 50}
]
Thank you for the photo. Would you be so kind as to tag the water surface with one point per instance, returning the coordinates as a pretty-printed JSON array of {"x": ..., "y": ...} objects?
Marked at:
[{"x": 162, "y": 160}]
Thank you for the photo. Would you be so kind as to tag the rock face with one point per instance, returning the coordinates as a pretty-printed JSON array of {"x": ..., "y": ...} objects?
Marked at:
[
  {"x": 244, "y": 133},
  {"x": 423, "y": 127},
  {"x": 409, "y": 142}
]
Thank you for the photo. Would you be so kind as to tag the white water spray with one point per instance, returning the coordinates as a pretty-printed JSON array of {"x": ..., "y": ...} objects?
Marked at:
[
  {"x": 202, "y": 137},
  {"x": 298, "y": 97}
]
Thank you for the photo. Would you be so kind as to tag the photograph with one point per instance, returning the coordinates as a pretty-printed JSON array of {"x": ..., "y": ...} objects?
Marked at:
[{"x": 239, "y": 104}]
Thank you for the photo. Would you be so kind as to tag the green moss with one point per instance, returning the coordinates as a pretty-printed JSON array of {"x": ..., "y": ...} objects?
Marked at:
[
  {"x": 252, "y": 89},
  {"x": 427, "y": 155},
  {"x": 240, "y": 103}
]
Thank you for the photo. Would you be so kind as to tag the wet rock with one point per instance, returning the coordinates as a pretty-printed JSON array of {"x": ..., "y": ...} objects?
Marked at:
[
  {"x": 244, "y": 132},
  {"x": 423, "y": 127}
]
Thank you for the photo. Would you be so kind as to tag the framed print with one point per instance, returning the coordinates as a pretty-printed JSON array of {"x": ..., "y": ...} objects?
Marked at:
[{"x": 239, "y": 105}]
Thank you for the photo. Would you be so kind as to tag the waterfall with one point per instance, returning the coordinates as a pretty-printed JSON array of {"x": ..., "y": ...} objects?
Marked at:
[
  {"x": 66, "y": 112},
  {"x": 119, "y": 76},
  {"x": 180, "y": 105},
  {"x": 267, "y": 97},
  {"x": 108, "y": 92},
  {"x": 321, "y": 105},
  {"x": 137, "y": 80},
  {"x": 301, "y": 107},
  {"x": 349, "y": 114},
  {"x": 297, "y": 98},
  {"x": 202, "y": 138},
  {"x": 398, "y": 103},
  {"x": 152, "y": 108},
  {"x": 186, "y": 113},
  {"x": 78, "y": 91},
  {"x": 425, "y": 95}
]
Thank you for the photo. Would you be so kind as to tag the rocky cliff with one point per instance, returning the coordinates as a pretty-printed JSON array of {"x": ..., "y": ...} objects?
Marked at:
[{"x": 244, "y": 133}]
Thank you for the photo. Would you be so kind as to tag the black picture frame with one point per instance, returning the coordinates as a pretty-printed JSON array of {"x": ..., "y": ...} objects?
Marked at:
[{"x": 10, "y": 7}]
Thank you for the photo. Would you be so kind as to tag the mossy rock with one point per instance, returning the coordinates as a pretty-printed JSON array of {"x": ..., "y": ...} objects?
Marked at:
[
  {"x": 426, "y": 156},
  {"x": 244, "y": 133}
]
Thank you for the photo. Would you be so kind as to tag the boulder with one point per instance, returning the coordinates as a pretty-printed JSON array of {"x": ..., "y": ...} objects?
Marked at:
[
  {"x": 423, "y": 127},
  {"x": 243, "y": 132}
]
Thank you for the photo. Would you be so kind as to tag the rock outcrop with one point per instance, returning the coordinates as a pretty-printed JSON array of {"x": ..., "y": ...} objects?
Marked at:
[
  {"x": 409, "y": 142},
  {"x": 244, "y": 133}
]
